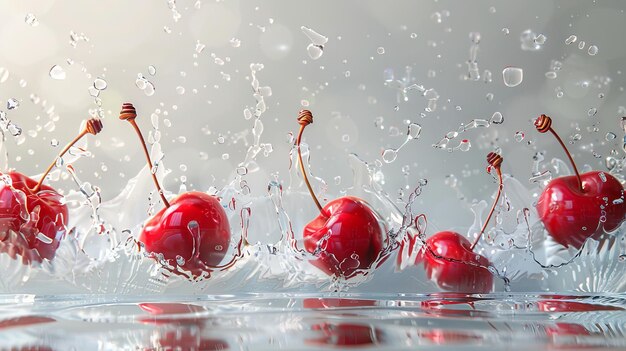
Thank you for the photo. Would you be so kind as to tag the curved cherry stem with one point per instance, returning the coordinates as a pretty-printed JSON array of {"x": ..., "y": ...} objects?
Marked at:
[
  {"x": 544, "y": 124},
  {"x": 129, "y": 114},
  {"x": 495, "y": 161},
  {"x": 93, "y": 126},
  {"x": 305, "y": 118}
]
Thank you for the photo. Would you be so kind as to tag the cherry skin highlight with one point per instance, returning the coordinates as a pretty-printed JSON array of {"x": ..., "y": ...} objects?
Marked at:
[
  {"x": 574, "y": 208},
  {"x": 454, "y": 266},
  {"x": 194, "y": 227}
]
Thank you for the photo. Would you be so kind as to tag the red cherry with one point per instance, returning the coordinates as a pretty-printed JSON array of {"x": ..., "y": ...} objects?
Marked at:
[
  {"x": 571, "y": 208},
  {"x": 449, "y": 258},
  {"x": 347, "y": 235},
  {"x": 49, "y": 211},
  {"x": 40, "y": 229},
  {"x": 571, "y": 215},
  {"x": 346, "y": 239},
  {"x": 451, "y": 263},
  {"x": 194, "y": 227}
]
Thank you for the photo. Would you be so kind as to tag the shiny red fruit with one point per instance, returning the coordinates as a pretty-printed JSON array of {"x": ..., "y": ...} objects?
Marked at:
[
  {"x": 451, "y": 264},
  {"x": 347, "y": 238},
  {"x": 571, "y": 215},
  {"x": 48, "y": 216},
  {"x": 193, "y": 228}
]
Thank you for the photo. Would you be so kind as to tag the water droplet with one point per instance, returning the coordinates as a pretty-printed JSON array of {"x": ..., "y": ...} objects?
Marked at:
[
  {"x": 414, "y": 131},
  {"x": 13, "y": 103},
  {"x": 31, "y": 20},
  {"x": 551, "y": 75},
  {"x": 519, "y": 136},
  {"x": 581, "y": 45},
  {"x": 345, "y": 138},
  {"x": 593, "y": 50},
  {"x": 540, "y": 39},
  {"x": 180, "y": 260},
  {"x": 390, "y": 155},
  {"x": 610, "y": 136},
  {"x": 592, "y": 112},
  {"x": 512, "y": 76},
  {"x": 380, "y": 50},
  {"x": 315, "y": 51},
  {"x": 149, "y": 89},
  {"x": 242, "y": 170},
  {"x": 100, "y": 84},
  {"x": 234, "y": 42},
  {"x": 505, "y": 31},
  {"x": 314, "y": 36},
  {"x": 4, "y": 74},
  {"x": 225, "y": 156},
  {"x": 571, "y": 39},
  {"x": 464, "y": 146},
  {"x": 151, "y": 70},
  {"x": 57, "y": 72},
  {"x": 54, "y": 143},
  {"x": 413, "y": 35},
  {"x": 43, "y": 238},
  {"x": 497, "y": 118},
  {"x": 622, "y": 258},
  {"x": 180, "y": 90}
]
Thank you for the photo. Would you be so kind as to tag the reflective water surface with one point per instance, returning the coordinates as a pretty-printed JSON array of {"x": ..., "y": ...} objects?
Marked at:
[{"x": 314, "y": 321}]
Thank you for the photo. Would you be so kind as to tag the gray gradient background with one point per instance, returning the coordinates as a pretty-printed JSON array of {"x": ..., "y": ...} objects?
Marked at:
[{"x": 127, "y": 36}]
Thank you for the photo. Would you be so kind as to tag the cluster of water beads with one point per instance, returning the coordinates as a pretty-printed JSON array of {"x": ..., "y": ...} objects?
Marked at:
[
  {"x": 315, "y": 49},
  {"x": 144, "y": 85},
  {"x": 473, "y": 72},
  {"x": 592, "y": 50},
  {"x": 465, "y": 144}
]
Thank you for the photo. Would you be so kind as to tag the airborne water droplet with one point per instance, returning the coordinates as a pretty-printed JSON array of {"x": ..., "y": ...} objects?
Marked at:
[
  {"x": 13, "y": 103},
  {"x": 512, "y": 76},
  {"x": 100, "y": 84},
  {"x": 497, "y": 118},
  {"x": 570, "y": 39},
  {"x": 519, "y": 136},
  {"x": 610, "y": 136},
  {"x": 593, "y": 50},
  {"x": 414, "y": 131},
  {"x": 57, "y": 72},
  {"x": 390, "y": 155},
  {"x": 315, "y": 51},
  {"x": 592, "y": 112},
  {"x": 31, "y": 20}
]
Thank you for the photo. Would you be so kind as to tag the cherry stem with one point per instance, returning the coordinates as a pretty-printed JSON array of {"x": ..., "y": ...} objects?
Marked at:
[
  {"x": 93, "y": 126},
  {"x": 128, "y": 113},
  {"x": 571, "y": 160},
  {"x": 497, "y": 160},
  {"x": 305, "y": 118},
  {"x": 544, "y": 124}
]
